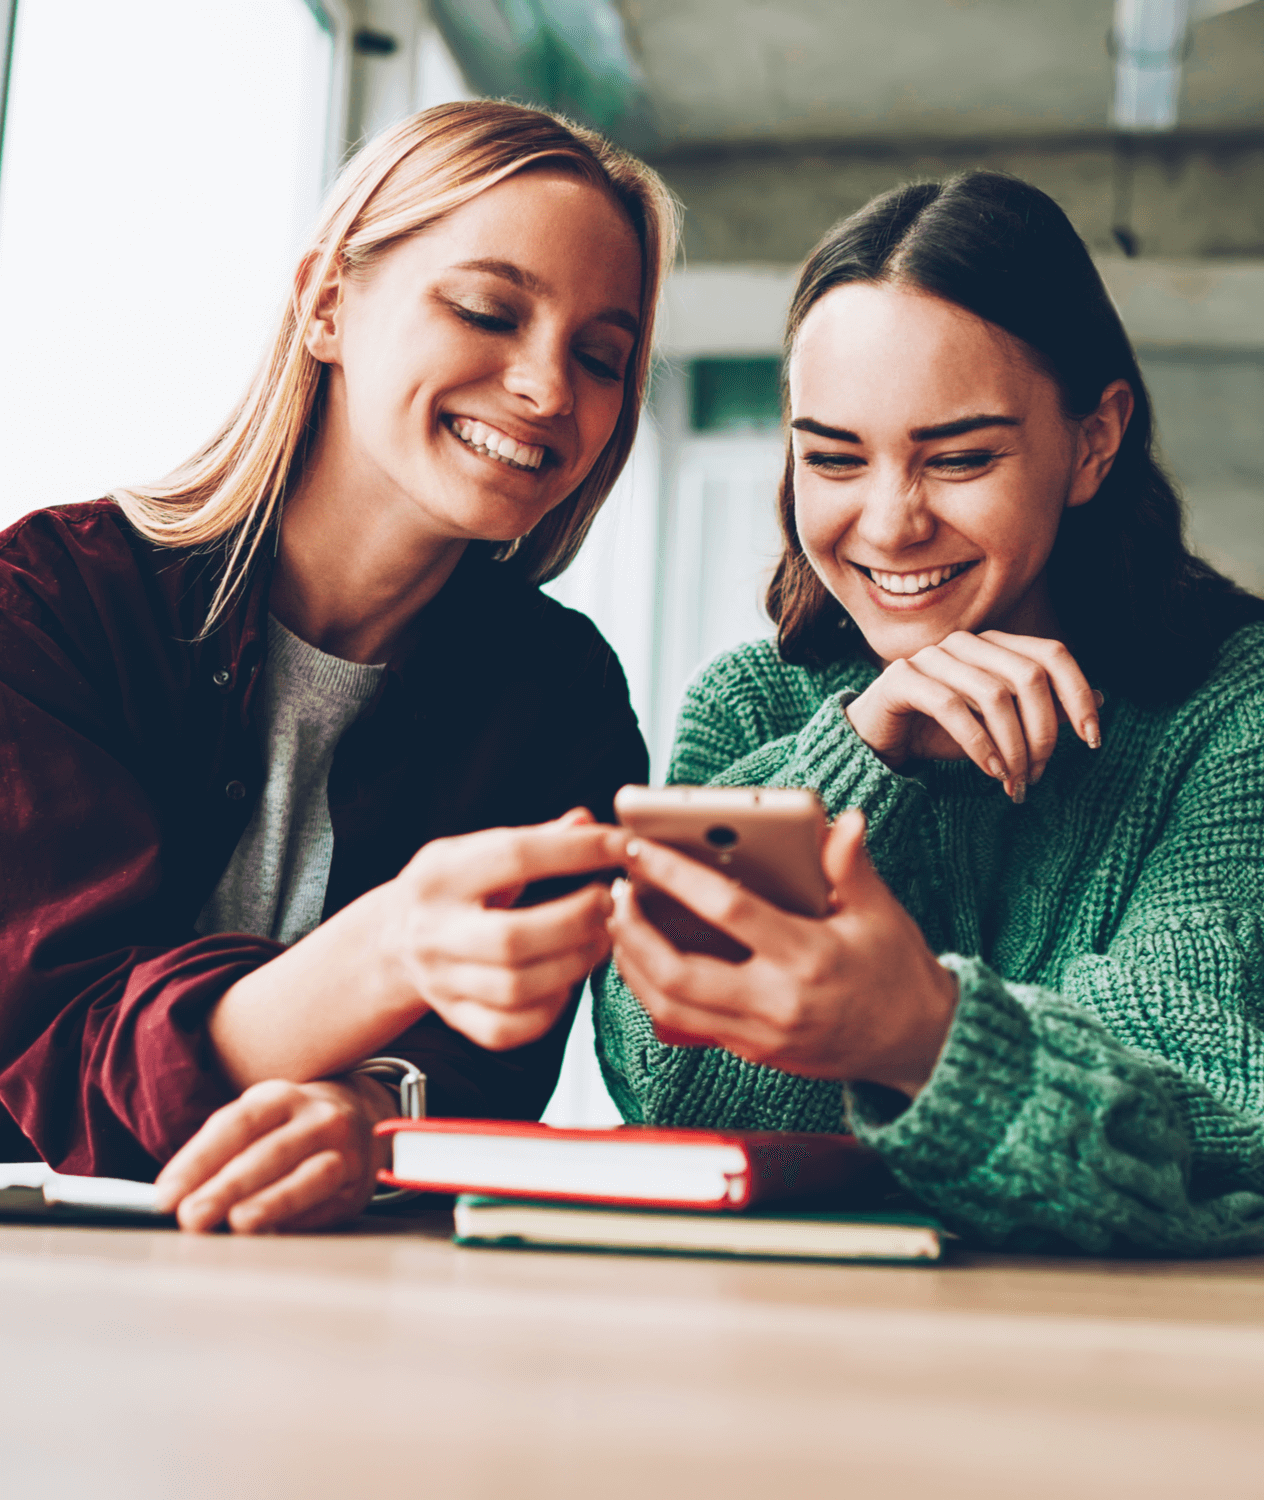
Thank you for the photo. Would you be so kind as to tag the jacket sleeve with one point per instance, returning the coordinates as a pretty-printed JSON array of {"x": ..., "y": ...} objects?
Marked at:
[
  {"x": 1125, "y": 1113},
  {"x": 104, "y": 1063}
]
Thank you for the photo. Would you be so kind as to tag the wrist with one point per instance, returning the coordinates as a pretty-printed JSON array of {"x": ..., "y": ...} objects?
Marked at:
[
  {"x": 376, "y": 1102},
  {"x": 910, "y": 1071},
  {"x": 858, "y": 716},
  {"x": 386, "y": 985}
]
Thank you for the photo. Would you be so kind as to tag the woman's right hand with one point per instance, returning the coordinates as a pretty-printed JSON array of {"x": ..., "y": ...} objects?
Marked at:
[
  {"x": 498, "y": 974},
  {"x": 994, "y": 698},
  {"x": 439, "y": 936}
]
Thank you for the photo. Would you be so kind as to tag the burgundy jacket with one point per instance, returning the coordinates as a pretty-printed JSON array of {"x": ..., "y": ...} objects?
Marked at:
[{"x": 130, "y": 763}]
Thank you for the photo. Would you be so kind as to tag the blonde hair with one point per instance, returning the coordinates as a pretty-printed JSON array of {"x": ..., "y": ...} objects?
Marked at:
[{"x": 231, "y": 491}]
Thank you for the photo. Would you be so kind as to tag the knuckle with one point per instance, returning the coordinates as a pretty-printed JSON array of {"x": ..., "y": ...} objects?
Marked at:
[
  {"x": 512, "y": 989},
  {"x": 517, "y": 855},
  {"x": 504, "y": 944},
  {"x": 501, "y": 1034},
  {"x": 269, "y": 1093},
  {"x": 734, "y": 904},
  {"x": 1030, "y": 675}
]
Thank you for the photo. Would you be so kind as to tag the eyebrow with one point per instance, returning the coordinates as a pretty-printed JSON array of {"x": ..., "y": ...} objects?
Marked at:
[
  {"x": 918, "y": 434},
  {"x": 618, "y": 317}
]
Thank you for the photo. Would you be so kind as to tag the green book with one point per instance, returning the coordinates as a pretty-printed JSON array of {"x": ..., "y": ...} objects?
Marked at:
[{"x": 755, "y": 1234}]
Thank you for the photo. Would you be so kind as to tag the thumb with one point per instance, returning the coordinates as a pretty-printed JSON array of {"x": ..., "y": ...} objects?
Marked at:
[{"x": 846, "y": 860}]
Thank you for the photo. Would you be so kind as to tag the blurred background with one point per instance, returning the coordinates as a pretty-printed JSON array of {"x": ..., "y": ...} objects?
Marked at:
[{"x": 161, "y": 161}]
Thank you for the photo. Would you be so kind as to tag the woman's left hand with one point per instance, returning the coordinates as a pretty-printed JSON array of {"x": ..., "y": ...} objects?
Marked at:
[
  {"x": 856, "y": 995},
  {"x": 282, "y": 1156}
]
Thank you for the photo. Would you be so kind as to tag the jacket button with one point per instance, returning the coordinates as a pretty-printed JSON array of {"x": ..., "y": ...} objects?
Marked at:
[
  {"x": 221, "y": 678},
  {"x": 235, "y": 791}
]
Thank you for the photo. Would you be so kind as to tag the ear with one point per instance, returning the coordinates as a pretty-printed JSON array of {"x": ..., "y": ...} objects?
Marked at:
[
  {"x": 1098, "y": 440},
  {"x": 322, "y": 336}
]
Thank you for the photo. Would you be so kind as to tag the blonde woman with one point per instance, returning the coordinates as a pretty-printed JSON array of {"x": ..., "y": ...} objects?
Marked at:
[{"x": 286, "y": 738}]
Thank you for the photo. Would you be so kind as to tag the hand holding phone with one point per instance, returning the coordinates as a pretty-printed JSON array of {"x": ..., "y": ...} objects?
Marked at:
[{"x": 767, "y": 839}]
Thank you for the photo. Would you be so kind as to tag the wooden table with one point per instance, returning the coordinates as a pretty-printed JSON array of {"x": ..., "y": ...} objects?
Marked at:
[{"x": 386, "y": 1362}]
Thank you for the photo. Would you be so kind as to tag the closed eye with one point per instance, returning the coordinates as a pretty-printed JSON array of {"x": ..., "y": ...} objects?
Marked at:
[
  {"x": 601, "y": 368},
  {"x": 834, "y": 463},
  {"x": 487, "y": 321},
  {"x": 965, "y": 464}
]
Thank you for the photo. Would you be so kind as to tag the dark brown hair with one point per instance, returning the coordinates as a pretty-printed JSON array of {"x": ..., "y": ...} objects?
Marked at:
[{"x": 1142, "y": 614}]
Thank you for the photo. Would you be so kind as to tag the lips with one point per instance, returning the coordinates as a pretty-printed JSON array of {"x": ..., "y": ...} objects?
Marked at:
[{"x": 491, "y": 442}]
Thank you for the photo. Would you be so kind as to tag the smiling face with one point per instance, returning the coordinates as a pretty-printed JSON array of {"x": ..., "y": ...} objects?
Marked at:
[
  {"x": 476, "y": 370},
  {"x": 933, "y": 463}
]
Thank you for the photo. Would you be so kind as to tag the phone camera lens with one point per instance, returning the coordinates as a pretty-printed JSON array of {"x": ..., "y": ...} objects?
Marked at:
[{"x": 721, "y": 836}]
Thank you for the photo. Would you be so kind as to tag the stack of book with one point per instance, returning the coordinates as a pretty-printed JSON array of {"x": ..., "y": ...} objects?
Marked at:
[{"x": 760, "y": 1194}]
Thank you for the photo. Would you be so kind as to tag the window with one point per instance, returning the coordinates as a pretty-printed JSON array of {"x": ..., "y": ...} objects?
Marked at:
[{"x": 162, "y": 163}]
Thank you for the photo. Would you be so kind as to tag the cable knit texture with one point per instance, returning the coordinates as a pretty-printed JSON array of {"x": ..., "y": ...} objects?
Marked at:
[{"x": 1102, "y": 1086}]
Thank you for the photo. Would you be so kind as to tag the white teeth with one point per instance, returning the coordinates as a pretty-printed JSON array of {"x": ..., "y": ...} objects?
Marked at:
[
  {"x": 915, "y": 583},
  {"x": 494, "y": 444}
]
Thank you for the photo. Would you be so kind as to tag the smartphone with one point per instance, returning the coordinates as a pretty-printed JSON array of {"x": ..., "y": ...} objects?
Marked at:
[{"x": 767, "y": 838}]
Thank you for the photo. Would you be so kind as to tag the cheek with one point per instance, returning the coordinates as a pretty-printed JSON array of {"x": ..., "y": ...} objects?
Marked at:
[
  {"x": 597, "y": 423},
  {"x": 821, "y": 517}
]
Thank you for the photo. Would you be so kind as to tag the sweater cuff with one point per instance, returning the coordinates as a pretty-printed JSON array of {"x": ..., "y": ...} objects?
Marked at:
[
  {"x": 831, "y": 758},
  {"x": 977, "y": 1088}
]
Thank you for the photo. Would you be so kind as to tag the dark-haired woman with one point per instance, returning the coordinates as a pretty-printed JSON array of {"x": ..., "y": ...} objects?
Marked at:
[
  {"x": 284, "y": 738},
  {"x": 1040, "y": 994}
]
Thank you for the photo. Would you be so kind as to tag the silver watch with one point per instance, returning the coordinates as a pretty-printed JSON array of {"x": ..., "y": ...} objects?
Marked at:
[{"x": 409, "y": 1083}]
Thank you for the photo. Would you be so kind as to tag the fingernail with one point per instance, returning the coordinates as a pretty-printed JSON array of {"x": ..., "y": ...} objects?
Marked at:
[
  {"x": 633, "y": 851},
  {"x": 1092, "y": 734},
  {"x": 1098, "y": 697},
  {"x": 996, "y": 768},
  {"x": 617, "y": 887},
  {"x": 1019, "y": 793},
  {"x": 1035, "y": 776}
]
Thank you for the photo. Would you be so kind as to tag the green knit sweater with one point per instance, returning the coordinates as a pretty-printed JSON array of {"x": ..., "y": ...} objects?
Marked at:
[{"x": 1102, "y": 1085}]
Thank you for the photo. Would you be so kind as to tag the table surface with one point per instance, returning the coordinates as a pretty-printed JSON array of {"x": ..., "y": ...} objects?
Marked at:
[{"x": 384, "y": 1360}]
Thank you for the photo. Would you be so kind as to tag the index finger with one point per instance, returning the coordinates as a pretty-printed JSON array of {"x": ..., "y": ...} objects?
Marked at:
[
  {"x": 475, "y": 865},
  {"x": 761, "y": 926},
  {"x": 1078, "y": 700}
]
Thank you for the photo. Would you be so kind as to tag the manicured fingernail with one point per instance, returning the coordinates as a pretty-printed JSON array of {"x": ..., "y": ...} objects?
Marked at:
[
  {"x": 1098, "y": 697},
  {"x": 996, "y": 768},
  {"x": 1092, "y": 734},
  {"x": 633, "y": 851},
  {"x": 617, "y": 887},
  {"x": 1035, "y": 776},
  {"x": 1019, "y": 793}
]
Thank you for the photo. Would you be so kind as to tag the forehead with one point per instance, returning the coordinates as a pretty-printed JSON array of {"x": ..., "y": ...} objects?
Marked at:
[
  {"x": 869, "y": 351},
  {"x": 559, "y": 228}
]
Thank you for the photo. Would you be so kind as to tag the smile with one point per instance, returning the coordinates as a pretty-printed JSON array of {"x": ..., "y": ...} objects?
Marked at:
[
  {"x": 916, "y": 583},
  {"x": 490, "y": 442}
]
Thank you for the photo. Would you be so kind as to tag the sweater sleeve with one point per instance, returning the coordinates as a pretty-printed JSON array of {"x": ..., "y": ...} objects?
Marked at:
[
  {"x": 1125, "y": 1113},
  {"x": 739, "y": 725}
]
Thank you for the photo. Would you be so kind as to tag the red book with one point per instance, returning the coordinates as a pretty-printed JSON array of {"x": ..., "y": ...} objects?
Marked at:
[{"x": 633, "y": 1165}]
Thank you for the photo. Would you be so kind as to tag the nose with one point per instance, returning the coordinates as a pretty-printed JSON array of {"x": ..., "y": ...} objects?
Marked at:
[
  {"x": 541, "y": 375},
  {"x": 895, "y": 515}
]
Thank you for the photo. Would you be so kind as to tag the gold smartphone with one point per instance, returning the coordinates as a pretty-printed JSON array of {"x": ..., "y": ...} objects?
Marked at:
[{"x": 766, "y": 838}]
